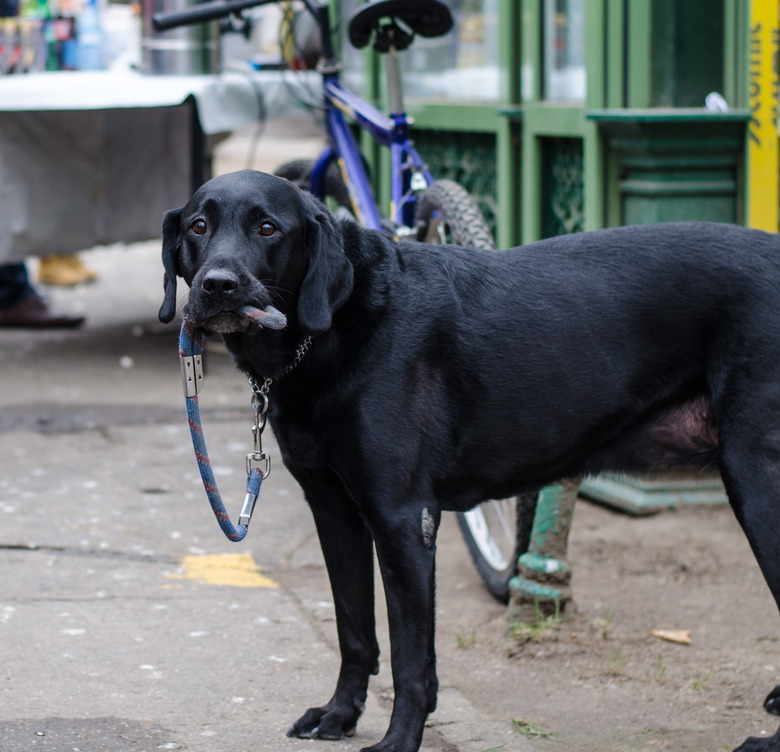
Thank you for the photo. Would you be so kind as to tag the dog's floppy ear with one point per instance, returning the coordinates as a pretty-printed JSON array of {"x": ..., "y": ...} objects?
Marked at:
[
  {"x": 170, "y": 253},
  {"x": 329, "y": 277}
]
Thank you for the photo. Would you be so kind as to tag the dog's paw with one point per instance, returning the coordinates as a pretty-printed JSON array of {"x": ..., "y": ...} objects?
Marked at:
[
  {"x": 325, "y": 723},
  {"x": 757, "y": 744},
  {"x": 389, "y": 746},
  {"x": 772, "y": 702}
]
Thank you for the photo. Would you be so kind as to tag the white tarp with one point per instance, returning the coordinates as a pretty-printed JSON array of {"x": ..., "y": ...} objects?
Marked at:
[{"x": 96, "y": 158}]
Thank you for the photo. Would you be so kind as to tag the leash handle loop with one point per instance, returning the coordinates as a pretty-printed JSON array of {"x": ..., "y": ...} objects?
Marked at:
[
  {"x": 191, "y": 354},
  {"x": 258, "y": 463}
]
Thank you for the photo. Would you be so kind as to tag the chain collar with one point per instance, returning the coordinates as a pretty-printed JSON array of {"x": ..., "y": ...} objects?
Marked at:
[{"x": 261, "y": 390}]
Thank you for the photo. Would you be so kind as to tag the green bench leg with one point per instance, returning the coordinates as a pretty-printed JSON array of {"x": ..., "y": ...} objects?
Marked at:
[{"x": 544, "y": 573}]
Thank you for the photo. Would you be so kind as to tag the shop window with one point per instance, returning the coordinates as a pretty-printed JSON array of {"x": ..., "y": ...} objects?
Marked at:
[
  {"x": 687, "y": 52},
  {"x": 353, "y": 74},
  {"x": 564, "y": 50},
  {"x": 462, "y": 66}
]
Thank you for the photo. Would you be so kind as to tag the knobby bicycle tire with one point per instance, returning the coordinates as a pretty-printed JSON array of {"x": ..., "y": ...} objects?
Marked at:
[
  {"x": 298, "y": 171},
  {"x": 446, "y": 213}
]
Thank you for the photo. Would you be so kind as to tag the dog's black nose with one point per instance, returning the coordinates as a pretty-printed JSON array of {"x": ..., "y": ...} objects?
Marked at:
[{"x": 219, "y": 282}]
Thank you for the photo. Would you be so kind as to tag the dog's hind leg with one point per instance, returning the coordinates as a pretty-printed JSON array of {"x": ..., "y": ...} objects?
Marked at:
[
  {"x": 750, "y": 465},
  {"x": 347, "y": 547}
]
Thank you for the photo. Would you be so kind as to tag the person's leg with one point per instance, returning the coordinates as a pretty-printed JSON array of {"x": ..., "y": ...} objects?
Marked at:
[
  {"x": 21, "y": 306},
  {"x": 14, "y": 285}
]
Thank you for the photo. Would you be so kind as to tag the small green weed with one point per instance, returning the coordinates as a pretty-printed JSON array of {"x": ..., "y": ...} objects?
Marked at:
[
  {"x": 530, "y": 729},
  {"x": 607, "y": 622},
  {"x": 660, "y": 668},
  {"x": 701, "y": 682},
  {"x": 539, "y": 627},
  {"x": 603, "y": 623},
  {"x": 466, "y": 641},
  {"x": 616, "y": 663}
]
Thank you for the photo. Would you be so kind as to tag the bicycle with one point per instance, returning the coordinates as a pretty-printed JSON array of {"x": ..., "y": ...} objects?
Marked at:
[{"x": 422, "y": 208}]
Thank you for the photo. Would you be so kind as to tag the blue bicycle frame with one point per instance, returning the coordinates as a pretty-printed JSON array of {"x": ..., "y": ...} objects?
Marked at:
[{"x": 408, "y": 171}]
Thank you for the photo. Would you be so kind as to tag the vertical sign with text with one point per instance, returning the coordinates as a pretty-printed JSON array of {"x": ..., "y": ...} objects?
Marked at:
[{"x": 763, "y": 165}]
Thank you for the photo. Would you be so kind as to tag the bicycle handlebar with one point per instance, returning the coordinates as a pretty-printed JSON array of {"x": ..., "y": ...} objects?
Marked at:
[
  {"x": 202, "y": 12},
  {"x": 211, "y": 11}
]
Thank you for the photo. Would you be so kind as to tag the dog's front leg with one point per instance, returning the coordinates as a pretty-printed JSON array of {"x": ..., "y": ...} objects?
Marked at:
[
  {"x": 347, "y": 547},
  {"x": 406, "y": 547}
]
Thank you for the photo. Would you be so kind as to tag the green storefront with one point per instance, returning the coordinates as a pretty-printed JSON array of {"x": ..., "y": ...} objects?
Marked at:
[{"x": 567, "y": 115}]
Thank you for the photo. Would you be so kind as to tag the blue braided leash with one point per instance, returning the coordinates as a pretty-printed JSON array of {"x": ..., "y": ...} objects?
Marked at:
[{"x": 191, "y": 354}]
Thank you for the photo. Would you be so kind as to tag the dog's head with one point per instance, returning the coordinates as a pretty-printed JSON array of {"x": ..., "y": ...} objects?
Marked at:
[{"x": 248, "y": 238}]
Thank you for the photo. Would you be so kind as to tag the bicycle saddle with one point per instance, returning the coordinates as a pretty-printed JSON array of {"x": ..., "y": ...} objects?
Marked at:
[{"x": 428, "y": 18}]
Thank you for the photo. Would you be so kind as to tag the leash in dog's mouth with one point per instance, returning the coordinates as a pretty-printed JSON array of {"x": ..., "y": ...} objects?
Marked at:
[
  {"x": 244, "y": 319},
  {"x": 258, "y": 463},
  {"x": 269, "y": 318}
]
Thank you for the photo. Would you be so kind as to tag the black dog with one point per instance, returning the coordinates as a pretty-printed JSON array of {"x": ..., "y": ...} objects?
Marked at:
[{"x": 438, "y": 377}]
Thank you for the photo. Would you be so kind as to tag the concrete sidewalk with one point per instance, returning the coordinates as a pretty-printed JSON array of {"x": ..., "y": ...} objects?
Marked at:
[{"x": 127, "y": 621}]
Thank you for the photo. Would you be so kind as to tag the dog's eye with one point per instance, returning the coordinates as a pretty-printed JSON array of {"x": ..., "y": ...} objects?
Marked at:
[
  {"x": 267, "y": 229},
  {"x": 199, "y": 227}
]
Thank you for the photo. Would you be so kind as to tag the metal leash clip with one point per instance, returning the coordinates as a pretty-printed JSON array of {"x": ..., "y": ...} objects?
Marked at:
[
  {"x": 258, "y": 456},
  {"x": 260, "y": 407}
]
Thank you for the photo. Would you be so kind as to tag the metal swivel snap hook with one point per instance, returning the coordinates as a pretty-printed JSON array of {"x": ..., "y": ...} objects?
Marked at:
[
  {"x": 258, "y": 456},
  {"x": 258, "y": 463}
]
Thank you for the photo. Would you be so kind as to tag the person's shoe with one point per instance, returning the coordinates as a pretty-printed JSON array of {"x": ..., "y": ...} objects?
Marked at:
[
  {"x": 64, "y": 271},
  {"x": 31, "y": 312}
]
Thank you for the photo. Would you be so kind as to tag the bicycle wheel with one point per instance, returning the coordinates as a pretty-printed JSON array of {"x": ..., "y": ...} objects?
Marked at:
[
  {"x": 298, "y": 171},
  {"x": 446, "y": 213},
  {"x": 498, "y": 531}
]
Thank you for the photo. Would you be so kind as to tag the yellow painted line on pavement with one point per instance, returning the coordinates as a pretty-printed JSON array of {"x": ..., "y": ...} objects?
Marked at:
[{"x": 234, "y": 570}]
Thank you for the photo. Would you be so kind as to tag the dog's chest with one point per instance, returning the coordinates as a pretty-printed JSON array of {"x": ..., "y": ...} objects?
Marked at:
[{"x": 302, "y": 446}]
